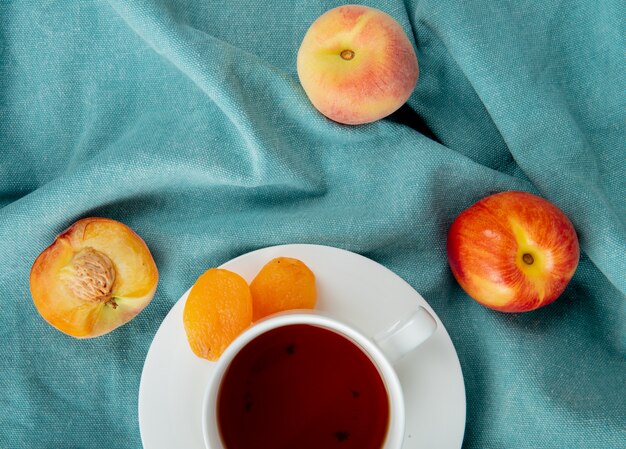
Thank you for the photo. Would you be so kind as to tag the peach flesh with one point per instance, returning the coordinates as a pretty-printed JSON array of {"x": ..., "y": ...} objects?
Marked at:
[{"x": 93, "y": 278}]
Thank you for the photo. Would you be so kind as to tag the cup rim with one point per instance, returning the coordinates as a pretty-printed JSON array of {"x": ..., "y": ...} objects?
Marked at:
[{"x": 396, "y": 425}]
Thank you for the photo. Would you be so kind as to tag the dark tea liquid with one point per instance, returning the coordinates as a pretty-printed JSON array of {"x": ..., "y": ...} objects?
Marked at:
[{"x": 302, "y": 387}]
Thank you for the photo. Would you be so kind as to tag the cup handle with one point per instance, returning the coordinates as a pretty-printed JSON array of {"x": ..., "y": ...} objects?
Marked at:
[{"x": 406, "y": 334}]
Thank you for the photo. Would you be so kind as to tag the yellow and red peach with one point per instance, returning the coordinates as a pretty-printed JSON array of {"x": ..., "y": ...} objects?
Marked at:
[
  {"x": 357, "y": 65},
  {"x": 513, "y": 251},
  {"x": 94, "y": 277}
]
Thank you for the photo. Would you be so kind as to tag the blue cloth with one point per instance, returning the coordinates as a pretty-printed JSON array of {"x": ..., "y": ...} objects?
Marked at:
[{"x": 185, "y": 120}]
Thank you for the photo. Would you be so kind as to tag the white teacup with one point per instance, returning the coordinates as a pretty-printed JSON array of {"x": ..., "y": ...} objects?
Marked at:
[{"x": 383, "y": 350}]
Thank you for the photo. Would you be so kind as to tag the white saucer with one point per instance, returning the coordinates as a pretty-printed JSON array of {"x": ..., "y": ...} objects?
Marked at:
[{"x": 351, "y": 288}]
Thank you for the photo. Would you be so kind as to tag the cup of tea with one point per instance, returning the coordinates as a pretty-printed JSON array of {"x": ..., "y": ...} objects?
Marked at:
[{"x": 302, "y": 379}]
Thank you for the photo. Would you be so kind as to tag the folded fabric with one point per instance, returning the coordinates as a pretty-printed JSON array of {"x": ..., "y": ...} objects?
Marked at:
[{"x": 186, "y": 121}]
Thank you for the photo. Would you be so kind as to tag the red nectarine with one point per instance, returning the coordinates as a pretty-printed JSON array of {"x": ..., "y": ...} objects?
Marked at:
[{"x": 513, "y": 251}]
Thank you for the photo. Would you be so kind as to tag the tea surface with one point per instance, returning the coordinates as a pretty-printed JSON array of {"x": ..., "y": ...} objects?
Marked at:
[{"x": 305, "y": 387}]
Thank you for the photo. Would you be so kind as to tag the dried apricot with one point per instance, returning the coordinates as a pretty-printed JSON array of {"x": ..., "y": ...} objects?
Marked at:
[
  {"x": 282, "y": 284},
  {"x": 218, "y": 309}
]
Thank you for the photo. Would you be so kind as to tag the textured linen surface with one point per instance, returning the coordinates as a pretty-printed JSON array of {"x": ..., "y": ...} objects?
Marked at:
[{"x": 185, "y": 120}]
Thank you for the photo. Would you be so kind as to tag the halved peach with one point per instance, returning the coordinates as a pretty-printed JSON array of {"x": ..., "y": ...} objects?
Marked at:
[{"x": 95, "y": 277}]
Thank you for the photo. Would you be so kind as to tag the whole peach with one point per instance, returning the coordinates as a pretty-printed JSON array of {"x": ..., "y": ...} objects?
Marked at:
[
  {"x": 513, "y": 251},
  {"x": 357, "y": 65}
]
